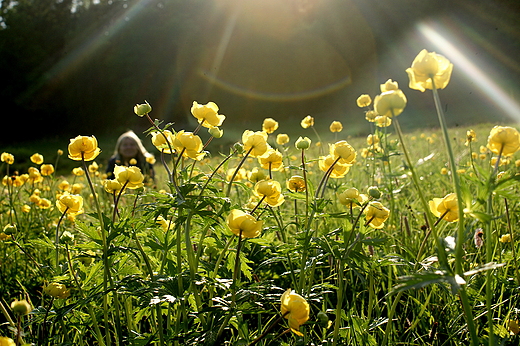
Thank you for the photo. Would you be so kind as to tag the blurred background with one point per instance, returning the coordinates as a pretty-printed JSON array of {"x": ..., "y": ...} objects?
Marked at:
[{"x": 72, "y": 67}]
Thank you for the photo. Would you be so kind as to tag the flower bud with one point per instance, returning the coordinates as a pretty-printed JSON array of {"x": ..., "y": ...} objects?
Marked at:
[
  {"x": 21, "y": 307},
  {"x": 9, "y": 229},
  {"x": 67, "y": 237},
  {"x": 216, "y": 132},
  {"x": 238, "y": 147},
  {"x": 374, "y": 192},
  {"x": 142, "y": 109},
  {"x": 303, "y": 143}
]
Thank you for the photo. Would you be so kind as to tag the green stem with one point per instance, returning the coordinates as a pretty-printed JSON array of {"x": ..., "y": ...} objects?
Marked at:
[{"x": 236, "y": 171}]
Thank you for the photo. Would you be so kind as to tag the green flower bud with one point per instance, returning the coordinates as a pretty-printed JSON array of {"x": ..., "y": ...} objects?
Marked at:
[
  {"x": 323, "y": 319},
  {"x": 303, "y": 143},
  {"x": 216, "y": 132},
  {"x": 21, "y": 307},
  {"x": 238, "y": 147},
  {"x": 374, "y": 192},
  {"x": 142, "y": 109},
  {"x": 9, "y": 229},
  {"x": 67, "y": 237}
]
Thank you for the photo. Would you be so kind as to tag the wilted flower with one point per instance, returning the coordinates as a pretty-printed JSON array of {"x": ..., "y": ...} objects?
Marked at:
[
  {"x": 207, "y": 114},
  {"x": 256, "y": 142},
  {"x": 307, "y": 122},
  {"x": 272, "y": 159},
  {"x": 241, "y": 222},
  {"x": 142, "y": 109},
  {"x": 269, "y": 125},
  {"x": 189, "y": 144},
  {"x": 7, "y": 158},
  {"x": 37, "y": 158},
  {"x": 295, "y": 309},
  {"x": 390, "y": 103},
  {"x": 504, "y": 140},
  {"x": 428, "y": 67},
  {"x": 83, "y": 148},
  {"x": 376, "y": 215},
  {"x": 336, "y": 126},
  {"x": 446, "y": 207},
  {"x": 129, "y": 177},
  {"x": 296, "y": 183},
  {"x": 282, "y": 139},
  {"x": 163, "y": 141},
  {"x": 364, "y": 101},
  {"x": 57, "y": 290},
  {"x": 70, "y": 204}
]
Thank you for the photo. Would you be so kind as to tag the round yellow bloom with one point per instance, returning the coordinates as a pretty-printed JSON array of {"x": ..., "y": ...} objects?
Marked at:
[
  {"x": 78, "y": 171},
  {"x": 372, "y": 139},
  {"x": 344, "y": 151},
  {"x": 271, "y": 190},
  {"x": 70, "y": 204},
  {"x": 46, "y": 169},
  {"x": 64, "y": 185},
  {"x": 504, "y": 140},
  {"x": 428, "y": 66},
  {"x": 390, "y": 103},
  {"x": 7, "y": 158},
  {"x": 189, "y": 144},
  {"x": 364, "y": 101},
  {"x": 161, "y": 140},
  {"x": 282, "y": 139},
  {"x": 371, "y": 116},
  {"x": 471, "y": 136},
  {"x": 296, "y": 184},
  {"x": 57, "y": 290},
  {"x": 112, "y": 186},
  {"x": 255, "y": 142},
  {"x": 352, "y": 198},
  {"x": 21, "y": 307},
  {"x": 93, "y": 167},
  {"x": 207, "y": 114},
  {"x": 338, "y": 171},
  {"x": 444, "y": 171},
  {"x": 37, "y": 158},
  {"x": 150, "y": 159},
  {"x": 269, "y": 125},
  {"x": 241, "y": 222},
  {"x": 272, "y": 159},
  {"x": 5, "y": 341},
  {"x": 295, "y": 309},
  {"x": 241, "y": 174},
  {"x": 383, "y": 121},
  {"x": 307, "y": 122},
  {"x": 446, "y": 207},
  {"x": 506, "y": 238},
  {"x": 34, "y": 175},
  {"x": 376, "y": 215},
  {"x": 83, "y": 148},
  {"x": 129, "y": 177},
  {"x": 336, "y": 126},
  {"x": 44, "y": 203},
  {"x": 389, "y": 85},
  {"x": 255, "y": 175}
]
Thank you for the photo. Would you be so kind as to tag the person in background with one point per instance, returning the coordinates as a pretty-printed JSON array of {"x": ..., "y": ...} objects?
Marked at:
[{"x": 130, "y": 151}]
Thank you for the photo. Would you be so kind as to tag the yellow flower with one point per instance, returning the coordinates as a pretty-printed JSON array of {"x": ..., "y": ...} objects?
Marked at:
[
  {"x": 70, "y": 204},
  {"x": 166, "y": 225},
  {"x": 389, "y": 85},
  {"x": 83, "y": 148},
  {"x": 506, "y": 238},
  {"x": 57, "y": 290},
  {"x": 372, "y": 139},
  {"x": 352, "y": 198},
  {"x": 513, "y": 327},
  {"x": 336, "y": 126},
  {"x": 255, "y": 175},
  {"x": 269, "y": 125},
  {"x": 307, "y": 122},
  {"x": 207, "y": 114},
  {"x": 282, "y": 139},
  {"x": 161, "y": 139},
  {"x": 37, "y": 158},
  {"x": 338, "y": 171},
  {"x": 444, "y": 171},
  {"x": 364, "y": 101},
  {"x": 371, "y": 116},
  {"x": 21, "y": 307},
  {"x": 78, "y": 171},
  {"x": 150, "y": 159},
  {"x": 504, "y": 140},
  {"x": 46, "y": 169},
  {"x": 295, "y": 309},
  {"x": 383, "y": 121},
  {"x": 344, "y": 151},
  {"x": 76, "y": 188},
  {"x": 189, "y": 144},
  {"x": 390, "y": 103},
  {"x": 241, "y": 222},
  {"x": 112, "y": 186},
  {"x": 256, "y": 142},
  {"x": 93, "y": 167},
  {"x": 471, "y": 136},
  {"x": 271, "y": 190},
  {"x": 34, "y": 175},
  {"x": 296, "y": 184},
  {"x": 241, "y": 174},
  {"x": 428, "y": 66},
  {"x": 446, "y": 207},
  {"x": 64, "y": 185},
  {"x": 5, "y": 341},
  {"x": 7, "y": 158},
  {"x": 130, "y": 177},
  {"x": 376, "y": 215},
  {"x": 272, "y": 159},
  {"x": 26, "y": 208}
]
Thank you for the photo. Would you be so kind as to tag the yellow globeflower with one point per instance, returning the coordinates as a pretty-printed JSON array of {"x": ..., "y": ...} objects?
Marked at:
[
  {"x": 189, "y": 144},
  {"x": 364, "y": 101},
  {"x": 34, "y": 175},
  {"x": 338, "y": 171},
  {"x": 295, "y": 309},
  {"x": 336, "y": 126},
  {"x": 271, "y": 190},
  {"x": 344, "y": 151},
  {"x": 57, "y": 290},
  {"x": 256, "y": 142},
  {"x": 446, "y": 207},
  {"x": 112, "y": 186},
  {"x": 506, "y": 238},
  {"x": 161, "y": 140},
  {"x": 255, "y": 175},
  {"x": 471, "y": 136},
  {"x": 142, "y": 109},
  {"x": 371, "y": 116},
  {"x": 241, "y": 222},
  {"x": 37, "y": 158},
  {"x": 46, "y": 169},
  {"x": 44, "y": 203},
  {"x": 282, "y": 139},
  {"x": 207, "y": 114},
  {"x": 352, "y": 198},
  {"x": 390, "y": 103},
  {"x": 376, "y": 215},
  {"x": 130, "y": 177},
  {"x": 21, "y": 307},
  {"x": 93, "y": 167},
  {"x": 389, "y": 85},
  {"x": 269, "y": 125},
  {"x": 83, "y": 148},
  {"x": 296, "y": 184},
  {"x": 307, "y": 122},
  {"x": 383, "y": 121},
  {"x": 428, "y": 67},
  {"x": 78, "y": 171},
  {"x": 272, "y": 159},
  {"x": 7, "y": 158},
  {"x": 504, "y": 140},
  {"x": 71, "y": 204},
  {"x": 5, "y": 341}
]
